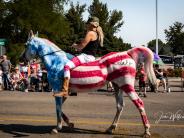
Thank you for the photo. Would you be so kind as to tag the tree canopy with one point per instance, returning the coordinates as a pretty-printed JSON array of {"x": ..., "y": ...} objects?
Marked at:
[
  {"x": 163, "y": 49},
  {"x": 175, "y": 38}
]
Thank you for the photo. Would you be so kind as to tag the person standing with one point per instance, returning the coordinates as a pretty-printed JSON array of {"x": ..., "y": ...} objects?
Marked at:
[
  {"x": 6, "y": 67},
  {"x": 142, "y": 80},
  {"x": 1, "y": 79}
]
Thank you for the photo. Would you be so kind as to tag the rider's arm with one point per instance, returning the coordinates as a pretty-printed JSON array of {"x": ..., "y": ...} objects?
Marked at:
[{"x": 89, "y": 37}]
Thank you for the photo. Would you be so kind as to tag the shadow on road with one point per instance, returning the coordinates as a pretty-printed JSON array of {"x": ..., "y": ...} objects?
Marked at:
[
  {"x": 18, "y": 129},
  {"x": 21, "y": 130}
]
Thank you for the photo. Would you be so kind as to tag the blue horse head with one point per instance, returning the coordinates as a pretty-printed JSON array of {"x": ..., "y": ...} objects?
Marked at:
[{"x": 48, "y": 52}]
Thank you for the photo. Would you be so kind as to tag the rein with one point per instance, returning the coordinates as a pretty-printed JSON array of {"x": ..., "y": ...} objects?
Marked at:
[{"x": 50, "y": 53}]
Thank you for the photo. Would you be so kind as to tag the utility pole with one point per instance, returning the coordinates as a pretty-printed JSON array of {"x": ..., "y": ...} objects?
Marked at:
[{"x": 156, "y": 27}]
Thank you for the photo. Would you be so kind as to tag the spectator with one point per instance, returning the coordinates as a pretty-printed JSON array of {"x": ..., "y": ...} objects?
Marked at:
[
  {"x": 39, "y": 74},
  {"x": 34, "y": 81},
  {"x": 1, "y": 78},
  {"x": 6, "y": 67},
  {"x": 35, "y": 66},
  {"x": 160, "y": 78},
  {"x": 39, "y": 77},
  {"x": 142, "y": 80},
  {"x": 45, "y": 83},
  {"x": 18, "y": 81},
  {"x": 24, "y": 70}
]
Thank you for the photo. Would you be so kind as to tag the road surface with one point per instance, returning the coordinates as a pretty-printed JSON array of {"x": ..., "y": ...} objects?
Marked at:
[{"x": 32, "y": 115}]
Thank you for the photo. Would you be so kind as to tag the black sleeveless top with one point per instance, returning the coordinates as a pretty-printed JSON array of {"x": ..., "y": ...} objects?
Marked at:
[{"x": 92, "y": 47}]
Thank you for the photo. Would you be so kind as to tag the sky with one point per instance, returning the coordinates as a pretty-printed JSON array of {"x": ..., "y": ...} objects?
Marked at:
[{"x": 139, "y": 18}]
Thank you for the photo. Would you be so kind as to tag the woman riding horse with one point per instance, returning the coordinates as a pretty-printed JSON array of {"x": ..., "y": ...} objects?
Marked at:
[{"x": 88, "y": 47}]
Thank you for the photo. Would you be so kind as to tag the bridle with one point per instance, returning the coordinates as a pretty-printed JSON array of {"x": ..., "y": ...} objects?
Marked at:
[{"x": 50, "y": 53}]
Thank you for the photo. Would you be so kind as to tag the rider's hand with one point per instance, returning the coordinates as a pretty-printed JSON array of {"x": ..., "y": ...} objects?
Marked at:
[
  {"x": 53, "y": 94},
  {"x": 77, "y": 48},
  {"x": 74, "y": 45}
]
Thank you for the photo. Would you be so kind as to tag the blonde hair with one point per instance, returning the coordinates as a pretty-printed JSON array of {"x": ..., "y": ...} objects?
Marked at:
[{"x": 99, "y": 32}]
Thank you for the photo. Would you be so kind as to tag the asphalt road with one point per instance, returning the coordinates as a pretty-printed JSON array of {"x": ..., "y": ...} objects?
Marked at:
[{"x": 32, "y": 115}]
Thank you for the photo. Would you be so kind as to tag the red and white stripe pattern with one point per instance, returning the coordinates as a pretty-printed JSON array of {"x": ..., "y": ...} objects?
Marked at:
[{"x": 118, "y": 67}]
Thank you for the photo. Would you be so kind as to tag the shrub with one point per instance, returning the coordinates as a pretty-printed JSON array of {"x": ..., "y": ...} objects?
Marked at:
[
  {"x": 174, "y": 72},
  {"x": 170, "y": 72}
]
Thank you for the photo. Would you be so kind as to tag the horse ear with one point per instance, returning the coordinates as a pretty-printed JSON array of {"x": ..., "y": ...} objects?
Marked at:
[
  {"x": 36, "y": 34},
  {"x": 31, "y": 34}
]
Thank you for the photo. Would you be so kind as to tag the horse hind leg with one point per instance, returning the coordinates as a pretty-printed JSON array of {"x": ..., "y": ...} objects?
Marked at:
[
  {"x": 140, "y": 105},
  {"x": 119, "y": 106}
]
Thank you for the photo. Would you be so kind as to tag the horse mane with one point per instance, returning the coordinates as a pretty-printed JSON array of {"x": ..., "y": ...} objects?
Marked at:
[{"x": 47, "y": 42}]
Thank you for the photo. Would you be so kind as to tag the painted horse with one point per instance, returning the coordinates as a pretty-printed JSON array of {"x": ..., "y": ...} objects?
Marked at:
[{"x": 117, "y": 67}]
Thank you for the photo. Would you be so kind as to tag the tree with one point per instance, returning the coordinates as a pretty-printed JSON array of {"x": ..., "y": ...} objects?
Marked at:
[
  {"x": 175, "y": 38},
  {"x": 163, "y": 49},
  {"x": 76, "y": 24},
  {"x": 21, "y": 16},
  {"x": 2, "y": 6}
]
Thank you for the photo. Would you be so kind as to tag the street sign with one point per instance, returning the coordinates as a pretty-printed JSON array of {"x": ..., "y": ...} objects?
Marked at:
[{"x": 3, "y": 42}]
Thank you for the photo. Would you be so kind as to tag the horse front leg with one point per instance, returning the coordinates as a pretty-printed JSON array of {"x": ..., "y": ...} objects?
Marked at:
[
  {"x": 59, "y": 101},
  {"x": 65, "y": 118},
  {"x": 119, "y": 106}
]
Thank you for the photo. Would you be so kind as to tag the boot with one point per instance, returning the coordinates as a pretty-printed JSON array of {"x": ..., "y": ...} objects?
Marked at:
[{"x": 64, "y": 91}]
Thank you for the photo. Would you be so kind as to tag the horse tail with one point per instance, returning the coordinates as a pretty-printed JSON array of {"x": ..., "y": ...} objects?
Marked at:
[{"x": 145, "y": 55}]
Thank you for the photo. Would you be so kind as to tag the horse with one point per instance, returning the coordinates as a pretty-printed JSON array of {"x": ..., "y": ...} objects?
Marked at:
[{"x": 117, "y": 67}]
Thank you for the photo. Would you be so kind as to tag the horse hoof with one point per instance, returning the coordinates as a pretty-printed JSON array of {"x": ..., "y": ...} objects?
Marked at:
[
  {"x": 71, "y": 125},
  {"x": 108, "y": 131},
  {"x": 111, "y": 129},
  {"x": 57, "y": 129},
  {"x": 147, "y": 135},
  {"x": 54, "y": 131}
]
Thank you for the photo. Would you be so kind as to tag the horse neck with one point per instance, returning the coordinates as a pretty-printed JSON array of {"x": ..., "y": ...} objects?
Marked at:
[{"x": 52, "y": 57}]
